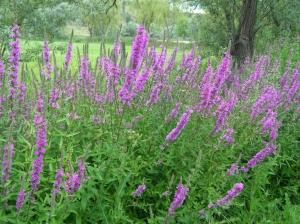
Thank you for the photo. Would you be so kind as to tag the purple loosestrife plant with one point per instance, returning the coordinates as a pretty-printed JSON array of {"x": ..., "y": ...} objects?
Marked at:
[
  {"x": 14, "y": 62},
  {"x": 233, "y": 169},
  {"x": 74, "y": 180},
  {"x": 174, "y": 112},
  {"x": 142, "y": 79},
  {"x": 294, "y": 86},
  {"x": 178, "y": 199},
  {"x": 268, "y": 99},
  {"x": 206, "y": 88},
  {"x": 41, "y": 143},
  {"x": 260, "y": 156},
  {"x": 180, "y": 125},
  {"x": 270, "y": 125},
  {"x": 254, "y": 76},
  {"x": 231, "y": 194},
  {"x": 139, "y": 190},
  {"x": 171, "y": 61},
  {"x": 58, "y": 181},
  {"x": 221, "y": 74},
  {"x": 126, "y": 94},
  {"x": 154, "y": 94},
  {"x": 54, "y": 95},
  {"x": 22, "y": 92},
  {"x": 227, "y": 137},
  {"x": 138, "y": 49},
  {"x": 68, "y": 56},
  {"x": 20, "y": 199},
  {"x": 158, "y": 67},
  {"x": 223, "y": 111},
  {"x": 112, "y": 75},
  {"x": 48, "y": 69}
]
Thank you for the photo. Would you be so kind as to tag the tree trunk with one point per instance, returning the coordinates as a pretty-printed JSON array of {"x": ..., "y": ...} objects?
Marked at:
[{"x": 243, "y": 42}]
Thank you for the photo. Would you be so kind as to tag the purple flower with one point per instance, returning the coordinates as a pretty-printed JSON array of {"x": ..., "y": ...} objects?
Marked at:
[
  {"x": 54, "y": 97},
  {"x": 142, "y": 79},
  {"x": 14, "y": 61},
  {"x": 206, "y": 88},
  {"x": 58, "y": 181},
  {"x": 233, "y": 169},
  {"x": 154, "y": 94},
  {"x": 126, "y": 94},
  {"x": 47, "y": 65},
  {"x": 74, "y": 180},
  {"x": 173, "y": 112},
  {"x": 68, "y": 56},
  {"x": 180, "y": 125},
  {"x": 231, "y": 194},
  {"x": 223, "y": 111},
  {"x": 20, "y": 199},
  {"x": 227, "y": 137},
  {"x": 139, "y": 48},
  {"x": 254, "y": 76},
  {"x": 171, "y": 62},
  {"x": 22, "y": 91},
  {"x": 294, "y": 86},
  {"x": 139, "y": 190},
  {"x": 8, "y": 154},
  {"x": 270, "y": 125},
  {"x": 268, "y": 99},
  {"x": 178, "y": 199},
  {"x": 260, "y": 156},
  {"x": 113, "y": 73},
  {"x": 158, "y": 67},
  {"x": 41, "y": 143},
  {"x": 222, "y": 74}
]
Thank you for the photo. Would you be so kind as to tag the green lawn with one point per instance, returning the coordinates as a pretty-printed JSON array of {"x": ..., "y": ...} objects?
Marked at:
[{"x": 32, "y": 50}]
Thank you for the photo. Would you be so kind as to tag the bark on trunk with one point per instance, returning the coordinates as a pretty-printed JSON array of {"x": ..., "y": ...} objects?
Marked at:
[{"x": 243, "y": 43}]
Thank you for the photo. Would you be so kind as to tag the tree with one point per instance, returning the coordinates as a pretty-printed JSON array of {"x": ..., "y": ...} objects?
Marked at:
[
  {"x": 243, "y": 20},
  {"x": 96, "y": 16}
]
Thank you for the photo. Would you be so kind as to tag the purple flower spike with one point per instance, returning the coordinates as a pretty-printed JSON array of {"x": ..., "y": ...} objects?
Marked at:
[
  {"x": 20, "y": 199},
  {"x": 47, "y": 65},
  {"x": 139, "y": 48},
  {"x": 14, "y": 62},
  {"x": 260, "y": 156},
  {"x": 231, "y": 194},
  {"x": 68, "y": 56},
  {"x": 41, "y": 143},
  {"x": 58, "y": 181},
  {"x": 178, "y": 199},
  {"x": 233, "y": 169},
  {"x": 180, "y": 125},
  {"x": 74, "y": 180},
  {"x": 139, "y": 191}
]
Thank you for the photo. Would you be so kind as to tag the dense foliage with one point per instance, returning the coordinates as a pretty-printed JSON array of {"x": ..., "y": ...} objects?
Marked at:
[{"x": 146, "y": 140}]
